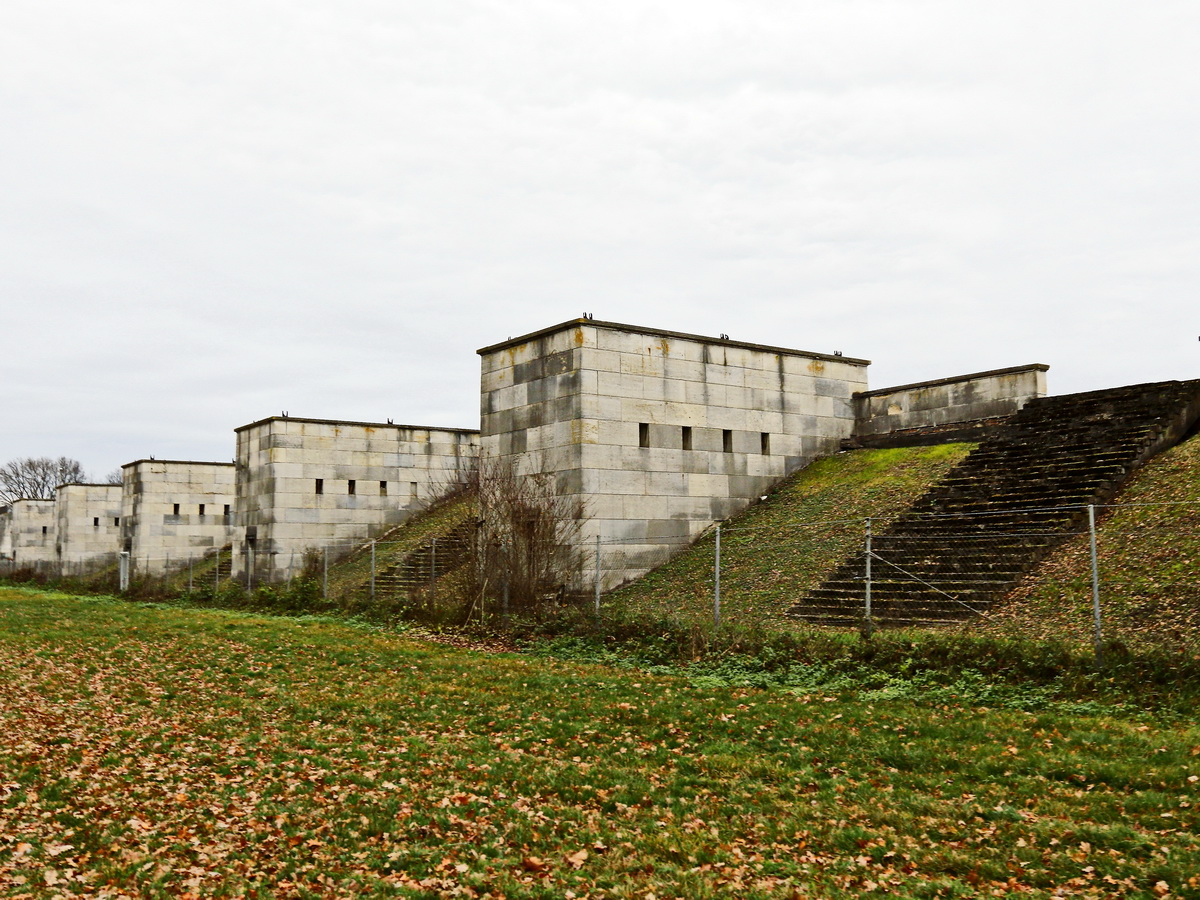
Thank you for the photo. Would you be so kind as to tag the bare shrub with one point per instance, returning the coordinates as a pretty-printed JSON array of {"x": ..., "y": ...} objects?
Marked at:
[{"x": 526, "y": 552}]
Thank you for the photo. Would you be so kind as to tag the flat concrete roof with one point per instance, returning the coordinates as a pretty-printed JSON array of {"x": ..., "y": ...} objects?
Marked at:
[
  {"x": 659, "y": 332},
  {"x": 359, "y": 424},
  {"x": 178, "y": 462},
  {"x": 1011, "y": 370}
]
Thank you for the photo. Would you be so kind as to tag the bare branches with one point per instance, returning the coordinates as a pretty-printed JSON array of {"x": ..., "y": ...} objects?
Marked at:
[
  {"x": 35, "y": 478},
  {"x": 527, "y": 546}
]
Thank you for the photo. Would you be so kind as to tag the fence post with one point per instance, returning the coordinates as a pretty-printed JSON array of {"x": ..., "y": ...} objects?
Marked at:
[
  {"x": 372, "y": 571},
  {"x": 123, "y": 569},
  {"x": 217, "y": 570},
  {"x": 868, "y": 624},
  {"x": 597, "y": 586},
  {"x": 1095, "y": 583},
  {"x": 189, "y": 574},
  {"x": 325, "y": 573},
  {"x": 717, "y": 580}
]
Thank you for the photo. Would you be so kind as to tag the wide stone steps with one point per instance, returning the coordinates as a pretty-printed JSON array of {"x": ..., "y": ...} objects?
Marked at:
[{"x": 971, "y": 538}]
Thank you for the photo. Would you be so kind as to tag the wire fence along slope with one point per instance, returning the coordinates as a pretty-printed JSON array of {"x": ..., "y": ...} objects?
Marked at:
[{"x": 1123, "y": 576}]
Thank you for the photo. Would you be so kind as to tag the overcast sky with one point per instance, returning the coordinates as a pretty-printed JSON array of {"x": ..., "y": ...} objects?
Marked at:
[{"x": 212, "y": 212}]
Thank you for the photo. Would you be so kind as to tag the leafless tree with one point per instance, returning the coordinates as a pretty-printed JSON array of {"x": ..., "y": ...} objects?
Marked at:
[
  {"x": 116, "y": 476},
  {"x": 526, "y": 548},
  {"x": 35, "y": 478}
]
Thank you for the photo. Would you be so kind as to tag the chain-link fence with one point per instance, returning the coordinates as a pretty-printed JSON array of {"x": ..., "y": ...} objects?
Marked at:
[{"x": 1110, "y": 577}]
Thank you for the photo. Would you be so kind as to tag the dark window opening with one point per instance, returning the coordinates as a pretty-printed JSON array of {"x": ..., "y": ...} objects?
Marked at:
[
  {"x": 320, "y": 485},
  {"x": 644, "y": 434},
  {"x": 116, "y": 521},
  {"x": 727, "y": 440},
  {"x": 227, "y": 509},
  {"x": 201, "y": 509},
  {"x": 96, "y": 522},
  {"x": 687, "y": 437},
  {"x": 383, "y": 489},
  {"x": 350, "y": 486},
  {"x": 175, "y": 509},
  {"x": 45, "y": 529},
  {"x": 766, "y": 444}
]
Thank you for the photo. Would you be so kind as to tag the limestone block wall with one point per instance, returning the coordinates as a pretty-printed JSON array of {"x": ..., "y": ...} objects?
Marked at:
[
  {"x": 5, "y": 532},
  {"x": 89, "y": 525},
  {"x": 32, "y": 533},
  {"x": 315, "y": 483},
  {"x": 173, "y": 511},
  {"x": 662, "y": 433},
  {"x": 960, "y": 400}
]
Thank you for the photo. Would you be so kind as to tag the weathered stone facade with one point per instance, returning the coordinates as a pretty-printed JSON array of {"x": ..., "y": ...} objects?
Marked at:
[
  {"x": 32, "y": 531},
  {"x": 313, "y": 483},
  {"x": 89, "y": 525},
  {"x": 173, "y": 511},
  {"x": 965, "y": 407},
  {"x": 661, "y": 433}
]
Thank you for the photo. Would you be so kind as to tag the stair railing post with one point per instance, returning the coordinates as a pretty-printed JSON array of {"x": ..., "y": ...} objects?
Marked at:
[
  {"x": 1095, "y": 584},
  {"x": 868, "y": 624},
  {"x": 717, "y": 580},
  {"x": 372, "y": 571},
  {"x": 597, "y": 585}
]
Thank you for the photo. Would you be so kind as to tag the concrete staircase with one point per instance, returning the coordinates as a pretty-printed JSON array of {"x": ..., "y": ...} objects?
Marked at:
[
  {"x": 429, "y": 561},
  {"x": 969, "y": 540}
]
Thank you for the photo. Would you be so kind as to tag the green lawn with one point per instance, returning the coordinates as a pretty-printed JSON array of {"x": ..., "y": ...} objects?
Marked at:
[{"x": 160, "y": 751}]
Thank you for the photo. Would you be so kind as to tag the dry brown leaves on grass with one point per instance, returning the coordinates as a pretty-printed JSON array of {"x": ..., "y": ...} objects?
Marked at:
[{"x": 161, "y": 752}]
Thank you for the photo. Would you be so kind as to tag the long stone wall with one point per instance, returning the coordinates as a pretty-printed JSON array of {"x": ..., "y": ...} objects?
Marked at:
[
  {"x": 960, "y": 408},
  {"x": 315, "y": 483},
  {"x": 174, "y": 511},
  {"x": 660, "y": 433},
  {"x": 89, "y": 525}
]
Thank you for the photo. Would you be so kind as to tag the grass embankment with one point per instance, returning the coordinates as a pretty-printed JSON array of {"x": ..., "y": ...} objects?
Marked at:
[
  {"x": 1148, "y": 550},
  {"x": 154, "y": 751},
  {"x": 780, "y": 548},
  {"x": 350, "y": 579}
]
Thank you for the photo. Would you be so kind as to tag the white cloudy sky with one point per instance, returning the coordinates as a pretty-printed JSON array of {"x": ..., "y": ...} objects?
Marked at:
[{"x": 211, "y": 212}]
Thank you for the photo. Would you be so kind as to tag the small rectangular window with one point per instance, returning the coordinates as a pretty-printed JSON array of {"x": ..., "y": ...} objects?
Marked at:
[
  {"x": 350, "y": 486},
  {"x": 202, "y": 509},
  {"x": 412, "y": 490},
  {"x": 320, "y": 485},
  {"x": 687, "y": 437},
  {"x": 116, "y": 521},
  {"x": 727, "y": 440},
  {"x": 766, "y": 443},
  {"x": 644, "y": 434},
  {"x": 45, "y": 529},
  {"x": 175, "y": 509},
  {"x": 96, "y": 522},
  {"x": 227, "y": 510},
  {"x": 383, "y": 489}
]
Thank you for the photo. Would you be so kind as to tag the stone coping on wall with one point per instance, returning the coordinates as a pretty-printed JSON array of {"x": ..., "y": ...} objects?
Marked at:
[
  {"x": 358, "y": 424},
  {"x": 87, "y": 484},
  {"x": 178, "y": 462},
  {"x": 990, "y": 373},
  {"x": 659, "y": 332}
]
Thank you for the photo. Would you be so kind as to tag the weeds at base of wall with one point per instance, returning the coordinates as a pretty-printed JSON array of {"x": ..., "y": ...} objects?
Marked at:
[
  {"x": 952, "y": 666},
  {"x": 931, "y": 665}
]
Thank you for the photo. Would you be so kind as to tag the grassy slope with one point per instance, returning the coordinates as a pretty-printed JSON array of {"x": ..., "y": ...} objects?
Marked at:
[
  {"x": 352, "y": 576},
  {"x": 1149, "y": 561},
  {"x": 158, "y": 751},
  {"x": 779, "y": 548}
]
